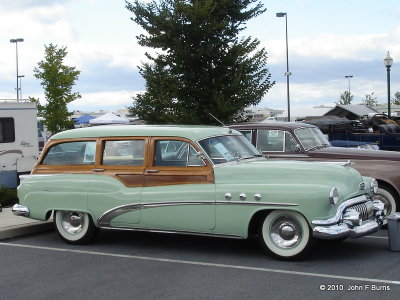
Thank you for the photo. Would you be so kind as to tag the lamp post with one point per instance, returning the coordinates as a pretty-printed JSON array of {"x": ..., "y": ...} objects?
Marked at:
[
  {"x": 388, "y": 63},
  {"x": 16, "y": 41},
  {"x": 20, "y": 85},
  {"x": 348, "y": 77},
  {"x": 287, "y": 73}
]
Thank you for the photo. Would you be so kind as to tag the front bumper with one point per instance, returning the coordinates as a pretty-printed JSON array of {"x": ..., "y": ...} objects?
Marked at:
[
  {"x": 354, "y": 218},
  {"x": 20, "y": 210}
]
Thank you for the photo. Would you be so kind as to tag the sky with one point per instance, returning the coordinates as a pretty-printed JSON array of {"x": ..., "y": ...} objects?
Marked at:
[{"x": 327, "y": 40}]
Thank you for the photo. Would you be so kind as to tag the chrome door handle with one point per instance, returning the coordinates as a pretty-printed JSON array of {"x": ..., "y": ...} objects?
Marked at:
[
  {"x": 152, "y": 171},
  {"x": 98, "y": 170}
]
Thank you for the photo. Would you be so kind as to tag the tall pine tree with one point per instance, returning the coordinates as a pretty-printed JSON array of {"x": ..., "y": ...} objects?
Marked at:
[{"x": 201, "y": 65}]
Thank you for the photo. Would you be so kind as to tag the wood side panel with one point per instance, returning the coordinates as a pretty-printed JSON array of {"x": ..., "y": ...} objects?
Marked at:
[{"x": 131, "y": 176}]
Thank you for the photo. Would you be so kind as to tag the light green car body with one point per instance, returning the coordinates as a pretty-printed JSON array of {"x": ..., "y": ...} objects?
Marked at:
[{"x": 241, "y": 191}]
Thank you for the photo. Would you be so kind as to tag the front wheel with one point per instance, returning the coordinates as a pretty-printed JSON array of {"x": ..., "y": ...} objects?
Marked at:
[
  {"x": 384, "y": 194},
  {"x": 286, "y": 234},
  {"x": 74, "y": 227}
]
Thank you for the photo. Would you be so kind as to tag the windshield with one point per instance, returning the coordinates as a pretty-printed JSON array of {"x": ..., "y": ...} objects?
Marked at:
[
  {"x": 222, "y": 149},
  {"x": 311, "y": 138}
]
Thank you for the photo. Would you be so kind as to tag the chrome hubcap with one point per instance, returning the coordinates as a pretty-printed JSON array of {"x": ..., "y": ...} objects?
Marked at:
[
  {"x": 285, "y": 232},
  {"x": 72, "y": 221}
]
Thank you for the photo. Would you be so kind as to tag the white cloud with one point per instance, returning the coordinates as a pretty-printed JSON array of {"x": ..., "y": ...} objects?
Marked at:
[
  {"x": 324, "y": 93},
  {"x": 37, "y": 26},
  {"x": 110, "y": 100},
  {"x": 330, "y": 46},
  {"x": 41, "y": 22}
]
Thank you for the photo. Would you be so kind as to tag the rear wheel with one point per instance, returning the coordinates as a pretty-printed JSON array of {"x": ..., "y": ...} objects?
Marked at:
[
  {"x": 285, "y": 234},
  {"x": 74, "y": 227}
]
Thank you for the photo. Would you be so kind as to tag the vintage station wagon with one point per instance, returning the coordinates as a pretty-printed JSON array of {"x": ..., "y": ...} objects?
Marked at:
[{"x": 193, "y": 179}]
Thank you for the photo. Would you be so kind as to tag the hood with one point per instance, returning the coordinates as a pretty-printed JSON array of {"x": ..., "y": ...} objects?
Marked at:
[
  {"x": 352, "y": 153},
  {"x": 289, "y": 173}
]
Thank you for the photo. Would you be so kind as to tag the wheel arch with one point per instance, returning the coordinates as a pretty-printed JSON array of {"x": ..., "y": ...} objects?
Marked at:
[{"x": 260, "y": 215}]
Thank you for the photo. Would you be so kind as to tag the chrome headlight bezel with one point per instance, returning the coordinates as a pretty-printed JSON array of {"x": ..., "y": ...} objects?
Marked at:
[
  {"x": 374, "y": 186},
  {"x": 333, "y": 196}
]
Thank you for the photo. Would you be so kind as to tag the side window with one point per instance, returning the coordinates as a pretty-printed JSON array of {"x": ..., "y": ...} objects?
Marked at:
[
  {"x": 7, "y": 130},
  {"x": 275, "y": 141},
  {"x": 124, "y": 153},
  {"x": 270, "y": 140},
  {"x": 72, "y": 153},
  {"x": 172, "y": 153},
  {"x": 247, "y": 134}
]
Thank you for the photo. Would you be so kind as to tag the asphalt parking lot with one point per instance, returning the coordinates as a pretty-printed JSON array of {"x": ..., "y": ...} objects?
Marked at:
[{"x": 132, "y": 265}]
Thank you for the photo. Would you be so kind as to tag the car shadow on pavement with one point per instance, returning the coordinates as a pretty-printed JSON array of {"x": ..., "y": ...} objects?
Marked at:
[{"x": 189, "y": 245}]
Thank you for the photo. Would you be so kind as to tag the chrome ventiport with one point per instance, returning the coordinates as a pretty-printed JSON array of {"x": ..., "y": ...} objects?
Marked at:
[
  {"x": 228, "y": 196},
  {"x": 242, "y": 196},
  {"x": 257, "y": 197}
]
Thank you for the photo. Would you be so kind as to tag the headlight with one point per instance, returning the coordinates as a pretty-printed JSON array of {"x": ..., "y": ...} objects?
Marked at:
[
  {"x": 374, "y": 186},
  {"x": 334, "y": 196}
]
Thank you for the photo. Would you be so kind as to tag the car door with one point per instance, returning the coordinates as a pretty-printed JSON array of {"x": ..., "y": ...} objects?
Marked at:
[
  {"x": 179, "y": 189},
  {"x": 115, "y": 190}
]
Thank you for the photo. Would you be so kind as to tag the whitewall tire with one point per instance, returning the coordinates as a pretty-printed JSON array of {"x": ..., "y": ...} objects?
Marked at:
[
  {"x": 74, "y": 227},
  {"x": 286, "y": 234}
]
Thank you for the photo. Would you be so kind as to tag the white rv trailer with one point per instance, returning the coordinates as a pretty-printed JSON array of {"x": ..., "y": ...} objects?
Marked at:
[{"x": 19, "y": 146}]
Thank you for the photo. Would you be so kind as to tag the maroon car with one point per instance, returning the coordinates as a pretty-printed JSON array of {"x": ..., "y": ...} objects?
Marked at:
[{"x": 300, "y": 141}]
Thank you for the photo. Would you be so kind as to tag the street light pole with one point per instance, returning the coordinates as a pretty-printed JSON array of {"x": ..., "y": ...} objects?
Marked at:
[
  {"x": 287, "y": 73},
  {"x": 348, "y": 77},
  {"x": 20, "y": 85},
  {"x": 16, "y": 54},
  {"x": 388, "y": 61}
]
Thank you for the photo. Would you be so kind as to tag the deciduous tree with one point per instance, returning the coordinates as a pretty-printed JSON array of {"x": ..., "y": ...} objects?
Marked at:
[
  {"x": 370, "y": 100},
  {"x": 396, "y": 98},
  {"x": 345, "y": 98},
  {"x": 57, "y": 81}
]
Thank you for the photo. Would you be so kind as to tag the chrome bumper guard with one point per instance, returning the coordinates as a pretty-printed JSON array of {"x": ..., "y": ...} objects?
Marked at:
[
  {"x": 354, "y": 218},
  {"x": 20, "y": 210}
]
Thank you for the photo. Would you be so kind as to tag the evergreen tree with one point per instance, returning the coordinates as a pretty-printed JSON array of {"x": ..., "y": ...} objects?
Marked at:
[
  {"x": 201, "y": 66},
  {"x": 57, "y": 81}
]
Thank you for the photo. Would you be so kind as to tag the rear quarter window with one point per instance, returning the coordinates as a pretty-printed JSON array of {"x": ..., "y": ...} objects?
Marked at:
[{"x": 71, "y": 153}]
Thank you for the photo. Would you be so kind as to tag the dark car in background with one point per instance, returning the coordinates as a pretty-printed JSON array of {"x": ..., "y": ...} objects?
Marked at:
[
  {"x": 376, "y": 129},
  {"x": 301, "y": 141}
]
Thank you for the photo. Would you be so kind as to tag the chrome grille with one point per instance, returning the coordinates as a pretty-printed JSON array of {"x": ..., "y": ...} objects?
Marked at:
[{"x": 366, "y": 210}]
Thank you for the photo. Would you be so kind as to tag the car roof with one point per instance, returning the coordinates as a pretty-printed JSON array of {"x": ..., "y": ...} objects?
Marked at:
[
  {"x": 193, "y": 132},
  {"x": 271, "y": 125}
]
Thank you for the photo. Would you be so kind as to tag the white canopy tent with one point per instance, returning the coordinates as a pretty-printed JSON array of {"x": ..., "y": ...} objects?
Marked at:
[{"x": 108, "y": 118}]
